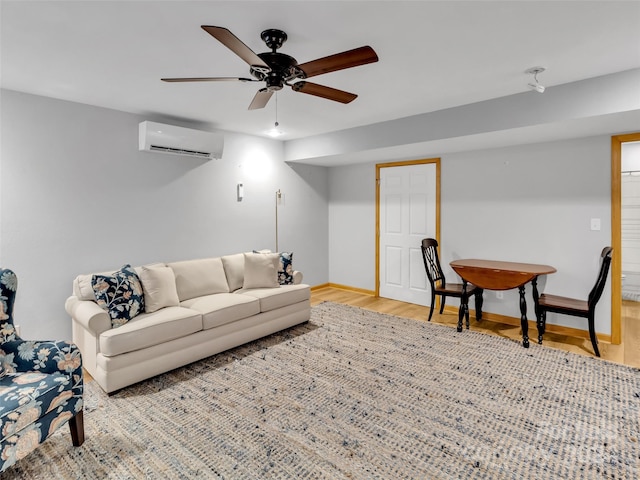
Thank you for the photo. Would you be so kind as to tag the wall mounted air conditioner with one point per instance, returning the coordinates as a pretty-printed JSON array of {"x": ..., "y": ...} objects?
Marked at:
[{"x": 158, "y": 137}]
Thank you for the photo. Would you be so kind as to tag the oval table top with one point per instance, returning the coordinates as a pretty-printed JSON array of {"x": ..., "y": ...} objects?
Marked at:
[{"x": 498, "y": 275}]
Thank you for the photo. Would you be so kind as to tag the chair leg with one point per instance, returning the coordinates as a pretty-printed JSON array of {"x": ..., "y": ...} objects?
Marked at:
[
  {"x": 542, "y": 324},
  {"x": 592, "y": 333},
  {"x": 76, "y": 425},
  {"x": 433, "y": 304},
  {"x": 443, "y": 299}
]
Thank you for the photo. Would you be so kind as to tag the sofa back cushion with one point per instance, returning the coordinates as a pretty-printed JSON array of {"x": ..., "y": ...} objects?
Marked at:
[
  {"x": 83, "y": 289},
  {"x": 195, "y": 278}
]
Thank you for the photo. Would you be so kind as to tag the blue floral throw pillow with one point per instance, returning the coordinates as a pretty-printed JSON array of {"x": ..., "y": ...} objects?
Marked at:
[
  {"x": 285, "y": 270},
  {"x": 119, "y": 294}
]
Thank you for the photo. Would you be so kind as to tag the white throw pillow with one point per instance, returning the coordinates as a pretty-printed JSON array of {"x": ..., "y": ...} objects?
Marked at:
[
  {"x": 159, "y": 286},
  {"x": 234, "y": 270},
  {"x": 261, "y": 270}
]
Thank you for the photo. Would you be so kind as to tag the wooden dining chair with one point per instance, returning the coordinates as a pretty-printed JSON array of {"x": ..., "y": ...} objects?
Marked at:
[
  {"x": 575, "y": 307},
  {"x": 440, "y": 286}
]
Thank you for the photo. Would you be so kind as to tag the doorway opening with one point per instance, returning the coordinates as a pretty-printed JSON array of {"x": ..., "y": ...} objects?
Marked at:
[{"x": 616, "y": 232}]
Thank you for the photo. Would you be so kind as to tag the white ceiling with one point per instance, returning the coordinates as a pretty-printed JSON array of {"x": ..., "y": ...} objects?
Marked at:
[{"x": 433, "y": 55}]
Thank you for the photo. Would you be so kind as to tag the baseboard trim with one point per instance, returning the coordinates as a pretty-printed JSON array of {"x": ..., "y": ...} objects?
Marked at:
[
  {"x": 557, "y": 329},
  {"x": 344, "y": 287}
]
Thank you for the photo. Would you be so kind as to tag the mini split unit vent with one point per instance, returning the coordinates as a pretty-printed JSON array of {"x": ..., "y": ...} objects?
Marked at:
[{"x": 158, "y": 137}]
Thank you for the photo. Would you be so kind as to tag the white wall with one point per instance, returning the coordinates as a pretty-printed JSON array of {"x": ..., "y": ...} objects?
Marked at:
[
  {"x": 77, "y": 196},
  {"x": 530, "y": 203},
  {"x": 352, "y": 226}
]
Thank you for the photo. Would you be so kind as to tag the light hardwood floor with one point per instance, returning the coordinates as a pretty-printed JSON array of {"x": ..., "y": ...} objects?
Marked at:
[{"x": 627, "y": 353}]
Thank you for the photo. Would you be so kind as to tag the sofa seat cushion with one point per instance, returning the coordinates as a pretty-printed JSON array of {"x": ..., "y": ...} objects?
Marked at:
[
  {"x": 26, "y": 397},
  {"x": 149, "y": 329},
  {"x": 223, "y": 308},
  {"x": 273, "y": 298}
]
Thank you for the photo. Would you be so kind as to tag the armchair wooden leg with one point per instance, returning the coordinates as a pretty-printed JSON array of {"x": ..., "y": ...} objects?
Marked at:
[{"x": 76, "y": 425}]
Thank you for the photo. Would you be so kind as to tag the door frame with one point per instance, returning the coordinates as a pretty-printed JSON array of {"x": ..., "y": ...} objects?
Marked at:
[
  {"x": 616, "y": 232},
  {"x": 380, "y": 166}
]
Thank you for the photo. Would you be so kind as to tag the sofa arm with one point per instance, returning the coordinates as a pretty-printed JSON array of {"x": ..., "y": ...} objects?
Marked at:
[
  {"x": 88, "y": 314},
  {"x": 297, "y": 277}
]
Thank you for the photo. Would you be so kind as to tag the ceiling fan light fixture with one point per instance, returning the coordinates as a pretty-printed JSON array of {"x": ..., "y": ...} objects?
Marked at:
[
  {"x": 535, "y": 85},
  {"x": 275, "y": 132}
]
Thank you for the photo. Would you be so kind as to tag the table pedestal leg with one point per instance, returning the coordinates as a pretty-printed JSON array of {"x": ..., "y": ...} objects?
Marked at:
[
  {"x": 479, "y": 301},
  {"x": 523, "y": 318}
]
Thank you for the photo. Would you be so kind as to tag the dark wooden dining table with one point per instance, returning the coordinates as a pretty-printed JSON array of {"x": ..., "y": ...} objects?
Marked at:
[{"x": 499, "y": 275}]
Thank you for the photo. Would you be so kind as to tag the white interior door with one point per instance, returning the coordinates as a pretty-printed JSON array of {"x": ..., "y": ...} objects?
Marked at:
[{"x": 407, "y": 215}]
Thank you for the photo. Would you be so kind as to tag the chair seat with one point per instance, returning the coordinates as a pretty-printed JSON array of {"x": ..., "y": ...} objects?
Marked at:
[
  {"x": 567, "y": 304},
  {"x": 575, "y": 307},
  {"x": 455, "y": 289},
  {"x": 27, "y": 396}
]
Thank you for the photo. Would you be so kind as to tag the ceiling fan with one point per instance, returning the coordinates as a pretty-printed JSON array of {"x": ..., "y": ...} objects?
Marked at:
[{"x": 278, "y": 69}]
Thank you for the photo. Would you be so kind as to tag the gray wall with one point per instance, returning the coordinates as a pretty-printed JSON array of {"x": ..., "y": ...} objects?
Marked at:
[
  {"x": 76, "y": 196},
  {"x": 352, "y": 226},
  {"x": 530, "y": 203}
]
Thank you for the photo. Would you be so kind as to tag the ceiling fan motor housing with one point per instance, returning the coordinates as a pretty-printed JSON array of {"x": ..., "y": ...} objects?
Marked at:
[{"x": 283, "y": 69}]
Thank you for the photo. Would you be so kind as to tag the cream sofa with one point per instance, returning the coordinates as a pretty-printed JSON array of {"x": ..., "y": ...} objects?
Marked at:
[{"x": 194, "y": 309}]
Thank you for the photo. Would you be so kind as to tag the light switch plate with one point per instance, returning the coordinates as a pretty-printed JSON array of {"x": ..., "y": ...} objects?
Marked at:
[{"x": 595, "y": 224}]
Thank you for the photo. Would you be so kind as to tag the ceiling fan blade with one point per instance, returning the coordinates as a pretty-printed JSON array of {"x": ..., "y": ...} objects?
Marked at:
[
  {"x": 324, "y": 92},
  {"x": 339, "y": 61},
  {"x": 236, "y": 45},
  {"x": 209, "y": 79},
  {"x": 261, "y": 99}
]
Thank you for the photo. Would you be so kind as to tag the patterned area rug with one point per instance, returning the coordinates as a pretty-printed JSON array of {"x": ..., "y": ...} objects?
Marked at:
[{"x": 357, "y": 395}]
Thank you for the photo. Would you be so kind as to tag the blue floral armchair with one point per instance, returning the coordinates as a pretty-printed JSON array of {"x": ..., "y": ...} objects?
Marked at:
[{"x": 41, "y": 385}]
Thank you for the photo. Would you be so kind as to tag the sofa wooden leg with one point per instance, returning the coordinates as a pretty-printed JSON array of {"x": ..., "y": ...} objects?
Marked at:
[{"x": 76, "y": 425}]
